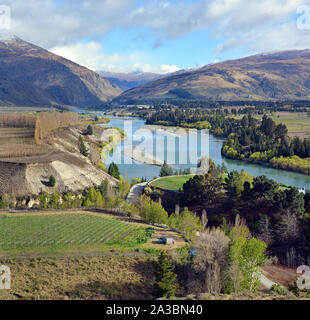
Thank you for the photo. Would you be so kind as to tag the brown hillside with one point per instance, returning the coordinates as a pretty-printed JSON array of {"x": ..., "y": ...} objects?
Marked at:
[
  {"x": 274, "y": 76},
  {"x": 32, "y": 76}
]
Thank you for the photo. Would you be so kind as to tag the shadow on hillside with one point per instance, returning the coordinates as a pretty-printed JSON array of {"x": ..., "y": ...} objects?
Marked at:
[{"x": 45, "y": 183}]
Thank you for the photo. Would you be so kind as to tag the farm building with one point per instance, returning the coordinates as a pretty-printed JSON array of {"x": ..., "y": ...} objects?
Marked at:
[{"x": 167, "y": 240}]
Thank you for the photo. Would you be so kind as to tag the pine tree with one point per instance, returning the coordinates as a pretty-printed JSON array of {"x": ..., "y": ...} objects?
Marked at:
[
  {"x": 113, "y": 170},
  {"x": 89, "y": 130},
  {"x": 166, "y": 280},
  {"x": 82, "y": 147},
  {"x": 52, "y": 181},
  {"x": 165, "y": 170},
  {"x": 104, "y": 188}
]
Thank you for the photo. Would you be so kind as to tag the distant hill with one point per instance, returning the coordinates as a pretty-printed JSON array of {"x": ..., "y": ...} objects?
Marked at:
[
  {"x": 264, "y": 77},
  {"x": 130, "y": 80},
  {"x": 32, "y": 76}
]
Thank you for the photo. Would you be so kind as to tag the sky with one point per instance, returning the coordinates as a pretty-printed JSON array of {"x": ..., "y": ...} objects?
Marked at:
[{"x": 160, "y": 36}]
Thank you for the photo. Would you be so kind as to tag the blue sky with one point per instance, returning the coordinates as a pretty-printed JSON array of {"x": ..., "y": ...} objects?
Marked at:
[
  {"x": 159, "y": 35},
  {"x": 192, "y": 50}
]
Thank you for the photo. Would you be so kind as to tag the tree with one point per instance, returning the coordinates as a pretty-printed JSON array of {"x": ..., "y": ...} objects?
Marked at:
[
  {"x": 123, "y": 187},
  {"x": 204, "y": 218},
  {"x": 246, "y": 193},
  {"x": 268, "y": 126},
  {"x": 235, "y": 182},
  {"x": 248, "y": 255},
  {"x": 152, "y": 211},
  {"x": 201, "y": 188},
  {"x": 94, "y": 199},
  {"x": 264, "y": 189},
  {"x": 288, "y": 229},
  {"x": 165, "y": 170},
  {"x": 104, "y": 188},
  {"x": 54, "y": 200},
  {"x": 52, "y": 181},
  {"x": 307, "y": 201},
  {"x": 165, "y": 279},
  {"x": 114, "y": 171},
  {"x": 281, "y": 132},
  {"x": 294, "y": 201},
  {"x": 82, "y": 147},
  {"x": 210, "y": 262},
  {"x": 8, "y": 200},
  {"x": 44, "y": 200},
  {"x": 67, "y": 200},
  {"x": 89, "y": 130},
  {"x": 265, "y": 232},
  {"x": 188, "y": 223}
]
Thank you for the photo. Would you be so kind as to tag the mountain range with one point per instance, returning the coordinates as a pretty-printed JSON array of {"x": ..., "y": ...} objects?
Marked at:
[
  {"x": 263, "y": 77},
  {"x": 130, "y": 80},
  {"x": 32, "y": 76}
]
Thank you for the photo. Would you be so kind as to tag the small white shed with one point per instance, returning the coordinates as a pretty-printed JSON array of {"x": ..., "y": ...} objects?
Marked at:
[{"x": 167, "y": 240}]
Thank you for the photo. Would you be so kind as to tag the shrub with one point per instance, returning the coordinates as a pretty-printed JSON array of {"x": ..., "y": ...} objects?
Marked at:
[
  {"x": 278, "y": 289},
  {"x": 102, "y": 167},
  {"x": 146, "y": 235}
]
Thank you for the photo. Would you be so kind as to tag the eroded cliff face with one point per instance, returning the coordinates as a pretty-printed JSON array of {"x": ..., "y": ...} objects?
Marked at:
[{"x": 28, "y": 177}]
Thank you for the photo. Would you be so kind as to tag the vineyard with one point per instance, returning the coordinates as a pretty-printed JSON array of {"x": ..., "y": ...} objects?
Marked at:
[{"x": 66, "y": 230}]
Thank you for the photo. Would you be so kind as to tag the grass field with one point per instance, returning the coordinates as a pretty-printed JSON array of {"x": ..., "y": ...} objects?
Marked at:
[
  {"x": 298, "y": 123},
  {"x": 65, "y": 230},
  {"x": 295, "y": 122},
  {"x": 107, "y": 277},
  {"x": 172, "y": 183}
]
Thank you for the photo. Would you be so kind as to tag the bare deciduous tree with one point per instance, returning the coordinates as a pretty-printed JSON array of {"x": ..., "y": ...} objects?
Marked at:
[
  {"x": 265, "y": 230},
  {"x": 177, "y": 209},
  {"x": 208, "y": 270},
  {"x": 204, "y": 218},
  {"x": 288, "y": 230}
]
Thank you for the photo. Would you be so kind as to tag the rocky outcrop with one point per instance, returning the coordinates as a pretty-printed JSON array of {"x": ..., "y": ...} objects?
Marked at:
[{"x": 29, "y": 179}]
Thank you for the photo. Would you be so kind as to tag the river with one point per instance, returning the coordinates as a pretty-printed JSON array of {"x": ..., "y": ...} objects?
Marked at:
[{"x": 135, "y": 169}]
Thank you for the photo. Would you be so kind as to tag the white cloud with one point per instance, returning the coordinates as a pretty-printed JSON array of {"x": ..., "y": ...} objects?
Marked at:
[
  {"x": 49, "y": 24},
  {"x": 256, "y": 25},
  {"x": 91, "y": 55},
  {"x": 162, "y": 69}
]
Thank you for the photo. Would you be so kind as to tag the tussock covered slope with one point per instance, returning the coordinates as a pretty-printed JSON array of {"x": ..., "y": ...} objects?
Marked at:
[{"x": 265, "y": 77}]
